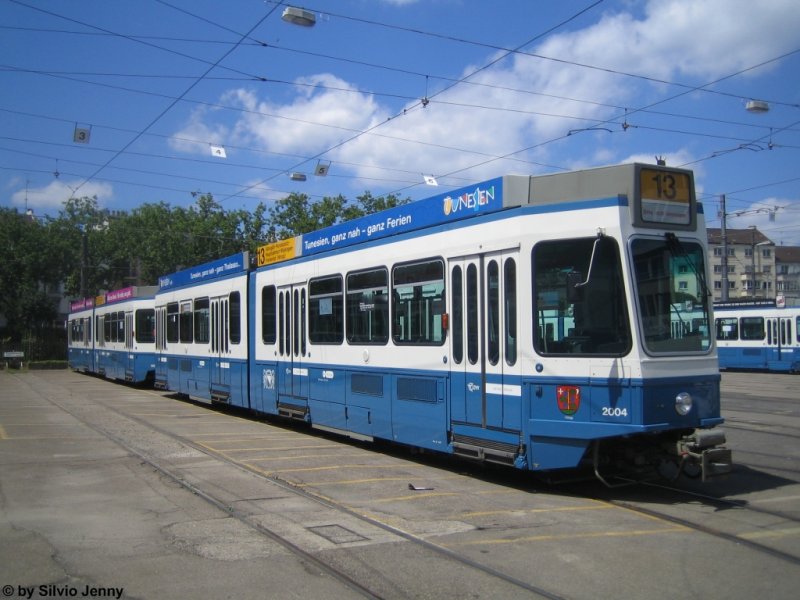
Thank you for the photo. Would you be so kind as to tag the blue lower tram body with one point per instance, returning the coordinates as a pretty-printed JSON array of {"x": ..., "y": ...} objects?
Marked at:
[
  {"x": 204, "y": 378},
  {"x": 133, "y": 367},
  {"x": 81, "y": 359},
  {"x": 759, "y": 358},
  {"x": 530, "y": 430}
]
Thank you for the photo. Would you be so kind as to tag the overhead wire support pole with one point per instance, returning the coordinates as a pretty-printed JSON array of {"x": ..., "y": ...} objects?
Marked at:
[{"x": 724, "y": 240}]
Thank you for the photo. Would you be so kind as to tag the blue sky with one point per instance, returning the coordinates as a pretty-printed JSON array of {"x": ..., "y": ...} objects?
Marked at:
[{"x": 385, "y": 92}]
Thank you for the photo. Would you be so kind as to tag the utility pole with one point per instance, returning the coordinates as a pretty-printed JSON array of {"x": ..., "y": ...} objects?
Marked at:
[
  {"x": 84, "y": 261},
  {"x": 724, "y": 236}
]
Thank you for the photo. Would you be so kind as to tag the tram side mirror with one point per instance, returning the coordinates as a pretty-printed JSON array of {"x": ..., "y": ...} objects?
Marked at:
[{"x": 574, "y": 293}]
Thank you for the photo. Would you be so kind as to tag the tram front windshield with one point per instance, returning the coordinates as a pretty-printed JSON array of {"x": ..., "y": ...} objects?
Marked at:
[
  {"x": 672, "y": 295},
  {"x": 579, "y": 298}
]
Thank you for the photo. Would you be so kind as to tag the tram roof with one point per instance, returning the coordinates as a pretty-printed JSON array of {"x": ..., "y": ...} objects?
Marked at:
[{"x": 489, "y": 196}]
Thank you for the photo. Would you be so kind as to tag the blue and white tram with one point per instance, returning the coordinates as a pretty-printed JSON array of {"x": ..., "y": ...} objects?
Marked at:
[
  {"x": 202, "y": 333},
  {"x": 524, "y": 321},
  {"x": 80, "y": 342},
  {"x": 758, "y": 336},
  {"x": 124, "y": 344}
]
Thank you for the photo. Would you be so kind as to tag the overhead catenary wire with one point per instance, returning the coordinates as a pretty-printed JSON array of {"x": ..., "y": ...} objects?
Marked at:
[{"x": 640, "y": 123}]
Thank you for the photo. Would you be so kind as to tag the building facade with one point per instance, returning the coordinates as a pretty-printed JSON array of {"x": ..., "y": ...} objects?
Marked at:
[{"x": 757, "y": 269}]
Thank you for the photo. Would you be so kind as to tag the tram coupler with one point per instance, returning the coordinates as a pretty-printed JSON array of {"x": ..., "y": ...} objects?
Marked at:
[{"x": 703, "y": 448}]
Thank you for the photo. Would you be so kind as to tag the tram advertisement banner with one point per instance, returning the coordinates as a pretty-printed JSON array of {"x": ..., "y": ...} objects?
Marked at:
[
  {"x": 211, "y": 270},
  {"x": 459, "y": 204}
]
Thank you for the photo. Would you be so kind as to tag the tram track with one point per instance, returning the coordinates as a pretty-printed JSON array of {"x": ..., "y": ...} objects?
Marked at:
[
  {"x": 717, "y": 502},
  {"x": 84, "y": 415},
  {"x": 622, "y": 504},
  {"x": 248, "y": 520}
]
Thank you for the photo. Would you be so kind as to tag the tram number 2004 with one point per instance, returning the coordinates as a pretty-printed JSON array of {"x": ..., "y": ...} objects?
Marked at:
[{"x": 608, "y": 411}]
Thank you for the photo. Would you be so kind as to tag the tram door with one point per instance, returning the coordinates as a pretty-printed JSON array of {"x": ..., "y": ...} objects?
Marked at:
[
  {"x": 486, "y": 372},
  {"x": 128, "y": 362},
  {"x": 220, "y": 348},
  {"x": 779, "y": 340},
  {"x": 292, "y": 373}
]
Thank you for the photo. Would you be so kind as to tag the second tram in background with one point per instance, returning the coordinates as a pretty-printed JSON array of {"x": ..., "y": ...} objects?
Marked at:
[
  {"x": 758, "y": 336},
  {"x": 113, "y": 335},
  {"x": 527, "y": 321}
]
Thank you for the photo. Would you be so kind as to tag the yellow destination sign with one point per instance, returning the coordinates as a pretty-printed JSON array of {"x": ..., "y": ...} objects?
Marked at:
[
  {"x": 664, "y": 186},
  {"x": 275, "y": 252}
]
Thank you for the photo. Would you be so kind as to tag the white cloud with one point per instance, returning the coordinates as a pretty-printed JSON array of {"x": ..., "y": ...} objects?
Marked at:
[
  {"x": 777, "y": 218},
  {"x": 680, "y": 40},
  {"x": 53, "y": 195},
  {"x": 200, "y": 132}
]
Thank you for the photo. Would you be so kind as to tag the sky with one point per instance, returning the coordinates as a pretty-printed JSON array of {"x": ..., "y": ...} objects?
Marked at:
[{"x": 147, "y": 101}]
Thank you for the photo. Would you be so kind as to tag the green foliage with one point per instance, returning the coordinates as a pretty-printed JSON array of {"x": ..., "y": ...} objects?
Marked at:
[{"x": 89, "y": 249}]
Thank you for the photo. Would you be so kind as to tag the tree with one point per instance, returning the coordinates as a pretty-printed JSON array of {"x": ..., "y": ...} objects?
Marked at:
[
  {"x": 30, "y": 269},
  {"x": 295, "y": 215}
]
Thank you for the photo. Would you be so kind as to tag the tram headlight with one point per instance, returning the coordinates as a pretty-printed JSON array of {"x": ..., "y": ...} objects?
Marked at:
[{"x": 683, "y": 403}]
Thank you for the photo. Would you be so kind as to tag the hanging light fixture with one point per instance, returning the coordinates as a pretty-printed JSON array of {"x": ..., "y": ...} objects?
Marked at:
[
  {"x": 298, "y": 16},
  {"x": 757, "y": 106}
]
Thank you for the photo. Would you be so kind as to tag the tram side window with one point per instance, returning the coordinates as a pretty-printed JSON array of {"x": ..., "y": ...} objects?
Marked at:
[
  {"x": 727, "y": 328},
  {"x": 457, "y": 283},
  {"x": 145, "y": 327},
  {"x": 753, "y": 328},
  {"x": 75, "y": 330},
  {"x": 326, "y": 310},
  {"x": 202, "y": 330},
  {"x": 367, "y": 307},
  {"x": 510, "y": 297},
  {"x": 172, "y": 323},
  {"x": 186, "y": 317},
  {"x": 418, "y": 303},
  {"x": 235, "y": 316},
  {"x": 269, "y": 332},
  {"x": 797, "y": 328},
  {"x": 579, "y": 310}
]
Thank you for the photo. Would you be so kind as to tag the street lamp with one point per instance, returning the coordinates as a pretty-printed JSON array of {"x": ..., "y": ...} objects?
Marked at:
[
  {"x": 298, "y": 16},
  {"x": 758, "y": 107}
]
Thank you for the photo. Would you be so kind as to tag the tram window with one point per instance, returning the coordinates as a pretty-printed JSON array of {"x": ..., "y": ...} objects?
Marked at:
[
  {"x": 578, "y": 310},
  {"x": 753, "y": 328},
  {"x": 797, "y": 328},
  {"x": 186, "y": 318},
  {"x": 202, "y": 333},
  {"x": 269, "y": 332},
  {"x": 326, "y": 310},
  {"x": 303, "y": 322},
  {"x": 282, "y": 332},
  {"x": 145, "y": 327},
  {"x": 108, "y": 328},
  {"x": 418, "y": 303},
  {"x": 493, "y": 313},
  {"x": 296, "y": 322},
  {"x": 367, "y": 307},
  {"x": 673, "y": 318},
  {"x": 472, "y": 314},
  {"x": 235, "y": 316},
  {"x": 457, "y": 321},
  {"x": 172, "y": 323},
  {"x": 727, "y": 328},
  {"x": 510, "y": 295}
]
